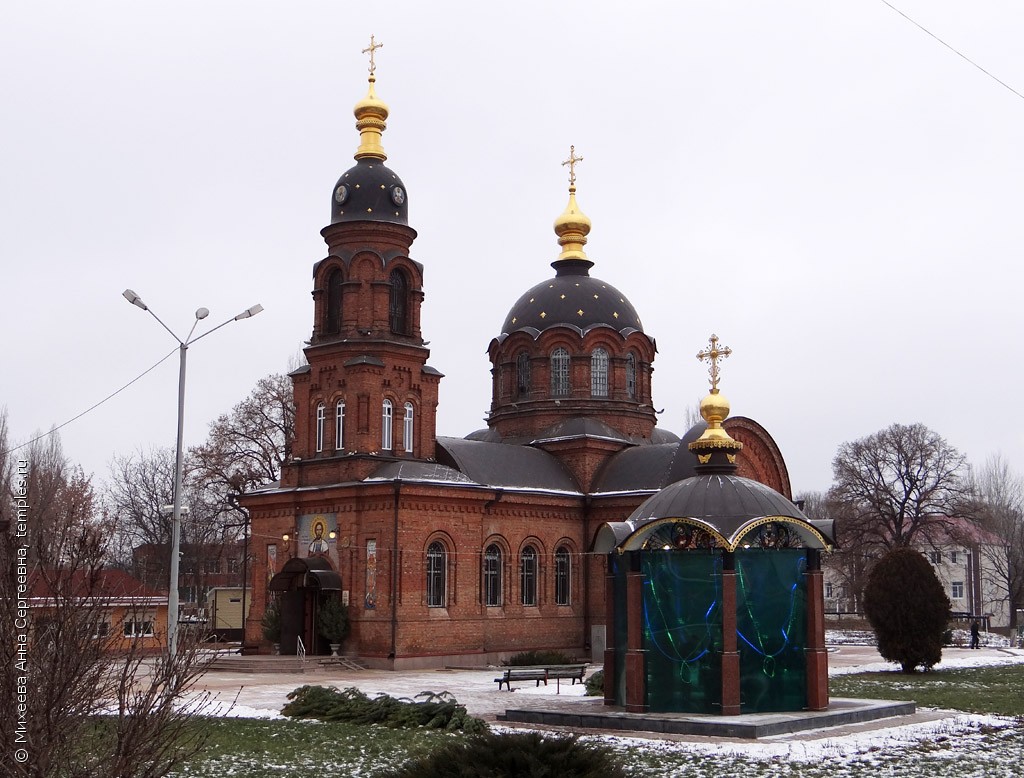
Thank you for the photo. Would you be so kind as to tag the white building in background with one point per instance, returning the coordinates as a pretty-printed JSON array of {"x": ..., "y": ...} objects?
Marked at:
[{"x": 970, "y": 563}]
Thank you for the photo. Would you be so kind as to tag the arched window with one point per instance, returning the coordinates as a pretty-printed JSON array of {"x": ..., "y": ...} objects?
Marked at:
[
  {"x": 399, "y": 303},
  {"x": 523, "y": 374},
  {"x": 563, "y": 571},
  {"x": 528, "y": 575},
  {"x": 492, "y": 575},
  {"x": 332, "y": 325},
  {"x": 631, "y": 376},
  {"x": 599, "y": 373},
  {"x": 321, "y": 413},
  {"x": 407, "y": 428},
  {"x": 385, "y": 431},
  {"x": 339, "y": 425},
  {"x": 437, "y": 575},
  {"x": 559, "y": 372}
]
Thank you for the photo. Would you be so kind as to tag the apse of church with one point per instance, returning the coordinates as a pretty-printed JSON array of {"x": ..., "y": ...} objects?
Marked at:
[{"x": 460, "y": 549}]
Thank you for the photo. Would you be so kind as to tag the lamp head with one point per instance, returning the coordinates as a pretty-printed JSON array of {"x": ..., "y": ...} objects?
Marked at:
[
  {"x": 134, "y": 299},
  {"x": 202, "y": 313},
  {"x": 248, "y": 312}
]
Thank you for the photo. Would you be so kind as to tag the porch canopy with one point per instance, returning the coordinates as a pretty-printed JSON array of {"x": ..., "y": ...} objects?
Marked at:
[{"x": 313, "y": 573}]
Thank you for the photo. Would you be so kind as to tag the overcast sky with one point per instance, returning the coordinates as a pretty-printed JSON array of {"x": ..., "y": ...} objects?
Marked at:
[{"x": 828, "y": 188}]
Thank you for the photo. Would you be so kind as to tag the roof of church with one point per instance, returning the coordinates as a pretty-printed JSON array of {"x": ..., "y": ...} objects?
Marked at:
[
  {"x": 572, "y": 297},
  {"x": 370, "y": 190},
  {"x": 504, "y": 465}
]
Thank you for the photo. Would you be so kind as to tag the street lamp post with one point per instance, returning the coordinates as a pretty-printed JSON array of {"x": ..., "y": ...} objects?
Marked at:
[{"x": 201, "y": 313}]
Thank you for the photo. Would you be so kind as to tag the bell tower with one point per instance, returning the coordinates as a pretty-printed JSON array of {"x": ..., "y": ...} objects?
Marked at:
[{"x": 367, "y": 394}]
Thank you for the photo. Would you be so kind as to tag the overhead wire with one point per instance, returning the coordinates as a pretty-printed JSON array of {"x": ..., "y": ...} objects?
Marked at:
[
  {"x": 91, "y": 408},
  {"x": 951, "y": 48}
]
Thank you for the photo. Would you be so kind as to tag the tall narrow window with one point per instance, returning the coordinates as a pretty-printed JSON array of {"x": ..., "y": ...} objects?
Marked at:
[
  {"x": 333, "y": 322},
  {"x": 407, "y": 428},
  {"x": 957, "y": 590},
  {"x": 492, "y": 575},
  {"x": 528, "y": 575},
  {"x": 631, "y": 376},
  {"x": 599, "y": 373},
  {"x": 321, "y": 412},
  {"x": 339, "y": 425},
  {"x": 563, "y": 571},
  {"x": 523, "y": 375},
  {"x": 559, "y": 373},
  {"x": 399, "y": 303},
  {"x": 437, "y": 577},
  {"x": 386, "y": 421}
]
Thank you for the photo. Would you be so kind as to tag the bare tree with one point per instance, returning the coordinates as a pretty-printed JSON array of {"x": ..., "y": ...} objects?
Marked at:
[
  {"x": 71, "y": 704},
  {"x": 246, "y": 447},
  {"x": 137, "y": 499},
  {"x": 848, "y": 564},
  {"x": 896, "y": 488},
  {"x": 999, "y": 511}
]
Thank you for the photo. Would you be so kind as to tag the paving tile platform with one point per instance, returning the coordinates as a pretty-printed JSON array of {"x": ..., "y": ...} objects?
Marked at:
[{"x": 841, "y": 712}]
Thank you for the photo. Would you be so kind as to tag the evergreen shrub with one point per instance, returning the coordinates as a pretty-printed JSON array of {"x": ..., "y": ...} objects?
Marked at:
[
  {"x": 434, "y": 711},
  {"x": 515, "y": 755},
  {"x": 595, "y": 684},
  {"x": 532, "y": 658},
  {"x": 908, "y": 609}
]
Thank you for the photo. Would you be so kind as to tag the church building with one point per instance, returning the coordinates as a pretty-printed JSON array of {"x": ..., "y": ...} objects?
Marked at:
[{"x": 462, "y": 549}]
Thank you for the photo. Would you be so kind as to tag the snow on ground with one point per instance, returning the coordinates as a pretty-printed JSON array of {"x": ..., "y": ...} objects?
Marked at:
[{"x": 262, "y": 695}]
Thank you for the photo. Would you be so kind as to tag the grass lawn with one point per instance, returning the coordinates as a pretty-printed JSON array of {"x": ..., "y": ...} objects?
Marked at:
[
  {"x": 240, "y": 748},
  {"x": 993, "y": 689}
]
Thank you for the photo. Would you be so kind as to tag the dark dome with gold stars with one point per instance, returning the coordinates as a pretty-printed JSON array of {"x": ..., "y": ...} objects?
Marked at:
[
  {"x": 370, "y": 191},
  {"x": 574, "y": 298}
]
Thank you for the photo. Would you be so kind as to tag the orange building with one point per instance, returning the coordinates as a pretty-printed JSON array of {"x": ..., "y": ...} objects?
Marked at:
[{"x": 116, "y": 607}]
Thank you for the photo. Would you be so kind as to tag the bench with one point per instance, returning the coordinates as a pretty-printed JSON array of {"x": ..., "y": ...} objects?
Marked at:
[{"x": 541, "y": 673}]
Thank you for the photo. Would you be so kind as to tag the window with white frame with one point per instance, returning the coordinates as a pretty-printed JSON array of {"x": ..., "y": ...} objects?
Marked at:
[
  {"x": 559, "y": 372},
  {"x": 407, "y": 434},
  {"x": 386, "y": 422},
  {"x": 492, "y": 575},
  {"x": 935, "y": 556},
  {"x": 829, "y": 590},
  {"x": 234, "y": 564},
  {"x": 528, "y": 576},
  {"x": 100, "y": 629},
  {"x": 599, "y": 373},
  {"x": 563, "y": 573},
  {"x": 437, "y": 575},
  {"x": 953, "y": 557},
  {"x": 321, "y": 412},
  {"x": 957, "y": 590},
  {"x": 339, "y": 425},
  {"x": 138, "y": 627}
]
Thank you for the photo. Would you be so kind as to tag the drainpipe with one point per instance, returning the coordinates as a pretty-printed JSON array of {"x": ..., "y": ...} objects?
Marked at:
[
  {"x": 585, "y": 576},
  {"x": 394, "y": 578}
]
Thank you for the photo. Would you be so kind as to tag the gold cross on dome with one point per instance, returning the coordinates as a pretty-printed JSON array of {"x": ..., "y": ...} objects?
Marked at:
[
  {"x": 370, "y": 50},
  {"x": 713, "y": 353},
  {"x": 571, "y": 162}
]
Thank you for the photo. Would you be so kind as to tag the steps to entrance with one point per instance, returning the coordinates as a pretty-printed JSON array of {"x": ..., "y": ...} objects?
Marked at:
[{"x": 235, "y": 663}]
